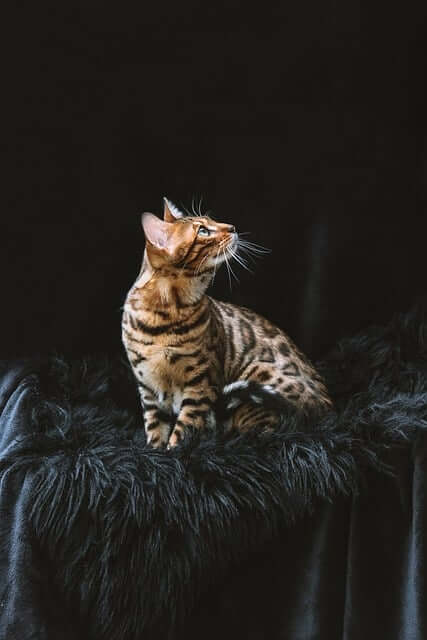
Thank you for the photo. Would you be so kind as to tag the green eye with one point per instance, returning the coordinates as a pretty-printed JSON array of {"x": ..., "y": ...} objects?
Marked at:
[{"x": 203, "y": 231}]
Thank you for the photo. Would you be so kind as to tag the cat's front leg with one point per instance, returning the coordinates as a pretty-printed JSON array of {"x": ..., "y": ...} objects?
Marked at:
[
  {"x": 157, "y": 427},
  {"x": 197, "y": 411}
]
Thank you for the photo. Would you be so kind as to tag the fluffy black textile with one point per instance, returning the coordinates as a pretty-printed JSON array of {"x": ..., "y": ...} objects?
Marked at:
[{"x": 131, "y": 536}]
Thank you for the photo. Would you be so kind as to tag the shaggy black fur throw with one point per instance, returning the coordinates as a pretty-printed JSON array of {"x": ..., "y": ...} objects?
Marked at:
[{"x": 131, "y": 536}]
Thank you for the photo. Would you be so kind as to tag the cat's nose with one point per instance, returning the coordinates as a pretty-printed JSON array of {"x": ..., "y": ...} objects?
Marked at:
[{"x": 231, "y": 228}]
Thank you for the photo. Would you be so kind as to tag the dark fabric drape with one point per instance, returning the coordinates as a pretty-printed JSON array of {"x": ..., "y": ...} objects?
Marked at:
[
  {"x": 303, "y": 534},
  {"x": 356, "y": 569},
  {"x": 301, "y": 123}
]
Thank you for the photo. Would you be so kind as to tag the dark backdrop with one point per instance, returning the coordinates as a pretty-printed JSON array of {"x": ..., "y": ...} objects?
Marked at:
[{"x": 304, "y": 124}]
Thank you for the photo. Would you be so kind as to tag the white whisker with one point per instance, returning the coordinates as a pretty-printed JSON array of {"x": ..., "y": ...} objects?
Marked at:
[
  {"x": 228, "y": 266},
  {"x": 200, "y": 206},
  {"x": 240, "y": 261},
  {"x": 230, "y": 253},
  {"x": 247, "y": 257},
  {"x": 237, "y": 257},
  {"x": 195, "y": 213},
  {"x": 252, "y": 246}
]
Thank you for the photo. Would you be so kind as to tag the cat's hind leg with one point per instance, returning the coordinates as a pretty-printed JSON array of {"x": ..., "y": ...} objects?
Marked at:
[{"x": 249, "y": 415}]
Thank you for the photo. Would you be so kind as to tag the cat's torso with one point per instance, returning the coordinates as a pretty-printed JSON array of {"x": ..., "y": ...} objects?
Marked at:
[{"x": 192, "y": 351}]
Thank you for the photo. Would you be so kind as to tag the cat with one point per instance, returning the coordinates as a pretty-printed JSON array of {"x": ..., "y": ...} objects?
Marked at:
[{"x": 187, "y": 349}]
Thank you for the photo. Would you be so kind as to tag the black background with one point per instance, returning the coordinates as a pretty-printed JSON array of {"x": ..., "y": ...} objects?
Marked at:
[{"x": 304, "y": 123}]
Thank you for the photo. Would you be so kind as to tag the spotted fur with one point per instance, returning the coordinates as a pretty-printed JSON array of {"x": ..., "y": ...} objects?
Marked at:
[{"x": 187, "y": 350}]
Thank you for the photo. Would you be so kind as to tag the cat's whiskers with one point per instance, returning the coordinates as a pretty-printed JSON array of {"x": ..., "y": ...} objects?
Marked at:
[
  {"x": 250, "y": 251},
  {"x": 230, "y": 271},
  {"x": 239, "y": 259},
  {"x": 195, "y": 209},
  {"x": 233, "y": 256},
  {"x": 199, "y": 208},
  {"x": 192, "y": 206},
  {"x": 229, "y": 253},
  {"x": 252, "y": 246},
  {"x": 226, "y": 264}
]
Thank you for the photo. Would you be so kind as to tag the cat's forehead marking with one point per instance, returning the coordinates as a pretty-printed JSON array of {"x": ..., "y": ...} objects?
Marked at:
[{"x": 204, "y": 220}]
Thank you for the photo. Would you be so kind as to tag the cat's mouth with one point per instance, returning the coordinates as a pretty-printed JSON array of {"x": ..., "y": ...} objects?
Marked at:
[
  {"x": 237, "y": 249},
  {"x": 233, "y": 248},
  {"x": 225, "y": 249}
]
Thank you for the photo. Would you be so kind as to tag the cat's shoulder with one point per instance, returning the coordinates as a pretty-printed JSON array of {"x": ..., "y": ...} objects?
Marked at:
[
  {"x": 230, "y": 310},
  {"x": 239, "y": 313}
]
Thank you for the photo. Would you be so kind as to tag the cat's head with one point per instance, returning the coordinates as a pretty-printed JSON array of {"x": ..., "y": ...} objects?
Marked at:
[{"x": 197, "y": 244}]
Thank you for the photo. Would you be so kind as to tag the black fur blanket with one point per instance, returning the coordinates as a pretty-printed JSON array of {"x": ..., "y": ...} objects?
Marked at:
[{"x": 104, "y": 538}]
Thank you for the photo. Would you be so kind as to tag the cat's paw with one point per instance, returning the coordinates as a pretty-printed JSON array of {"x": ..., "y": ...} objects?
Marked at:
[
  {"x": 156, "y": 440},
  {"x": 173, "y": 440}
]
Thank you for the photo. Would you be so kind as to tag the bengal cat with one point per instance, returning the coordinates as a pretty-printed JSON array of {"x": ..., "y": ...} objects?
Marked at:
[{"x": 187, "y": 349}]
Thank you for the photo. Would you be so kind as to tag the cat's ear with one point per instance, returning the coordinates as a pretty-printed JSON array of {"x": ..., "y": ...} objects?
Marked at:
[
  {"x": 156, "y": 231},
  {"x": 170, "y": 211}
]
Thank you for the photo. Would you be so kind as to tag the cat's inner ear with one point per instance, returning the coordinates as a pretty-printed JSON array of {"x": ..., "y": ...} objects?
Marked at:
[
  {"x": 157, "y": 232},
  {"x": 170, "y": 211}
]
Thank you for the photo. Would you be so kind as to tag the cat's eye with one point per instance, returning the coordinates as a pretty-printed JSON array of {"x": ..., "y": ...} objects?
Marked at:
[{"x": 203, "y": 231}]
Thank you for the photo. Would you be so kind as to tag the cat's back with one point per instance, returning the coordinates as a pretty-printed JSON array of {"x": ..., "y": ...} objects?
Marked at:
[
  {"x": 256, "y": 349},
  {"x": 248, "y": 327}
]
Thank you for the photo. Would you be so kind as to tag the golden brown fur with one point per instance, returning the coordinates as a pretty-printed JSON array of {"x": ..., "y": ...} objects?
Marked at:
[{"x": 185, "y": 347}]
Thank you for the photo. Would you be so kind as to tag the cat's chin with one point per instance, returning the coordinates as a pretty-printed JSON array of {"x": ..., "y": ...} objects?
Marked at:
[
  {"x": 222, "y": 257},
  {"x": 218, "y": 260}
]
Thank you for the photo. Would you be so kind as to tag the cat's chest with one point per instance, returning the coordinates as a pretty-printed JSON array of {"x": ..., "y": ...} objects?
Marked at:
[
  {"x": 159, "y": 365},
  {"x": 159, "y": 372}
]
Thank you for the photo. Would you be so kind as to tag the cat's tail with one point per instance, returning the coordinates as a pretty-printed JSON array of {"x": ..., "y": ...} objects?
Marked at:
[
  {"x": 241, "y": 391},
  {"x": 265, "y": 395}
]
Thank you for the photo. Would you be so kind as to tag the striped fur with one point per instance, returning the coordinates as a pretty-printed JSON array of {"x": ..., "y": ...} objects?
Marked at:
[{"x": 187, "y": 350}]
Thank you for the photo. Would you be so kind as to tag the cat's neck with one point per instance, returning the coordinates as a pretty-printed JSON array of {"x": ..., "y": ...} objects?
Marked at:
[{"x": 168, "y": 289}]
